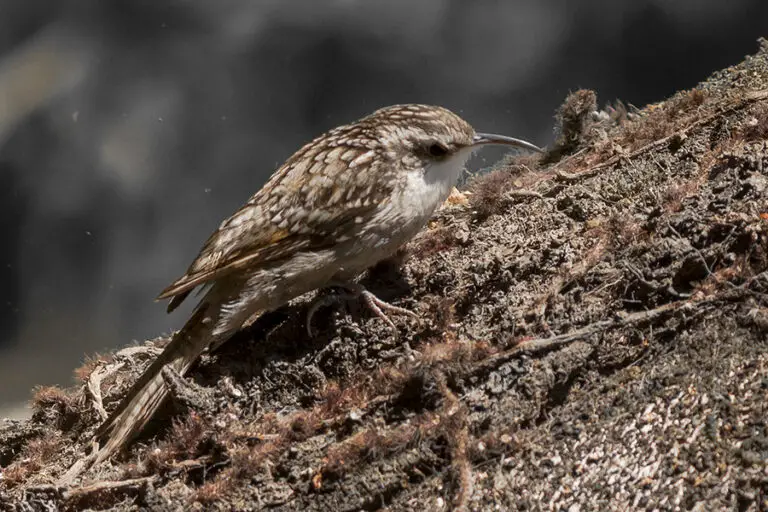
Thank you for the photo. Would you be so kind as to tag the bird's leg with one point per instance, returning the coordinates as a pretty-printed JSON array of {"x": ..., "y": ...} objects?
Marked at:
[
  {"x": 379, "y": 306},
  {"x": 321, "y": 302},
  {"x": 358, "y": 291}
]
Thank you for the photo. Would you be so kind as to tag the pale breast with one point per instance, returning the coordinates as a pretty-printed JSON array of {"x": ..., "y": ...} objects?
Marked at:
[{"x": 398, "y": 220}]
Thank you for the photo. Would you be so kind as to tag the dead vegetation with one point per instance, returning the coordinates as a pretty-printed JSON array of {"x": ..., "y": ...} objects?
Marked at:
[
  {"x": 573, "y": 122},
  {"x": 593, "y": 334},
  {"x": 56, "y": 407}
]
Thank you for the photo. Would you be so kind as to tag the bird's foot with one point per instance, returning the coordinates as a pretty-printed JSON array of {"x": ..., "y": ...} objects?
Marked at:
[{"x": 358, "y": 291}]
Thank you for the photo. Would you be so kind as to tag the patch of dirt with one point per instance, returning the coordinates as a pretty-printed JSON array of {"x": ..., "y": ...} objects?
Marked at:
[{"x": 593, "y": 335}]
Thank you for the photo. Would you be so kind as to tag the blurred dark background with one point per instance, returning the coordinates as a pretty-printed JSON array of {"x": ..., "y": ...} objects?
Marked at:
[{"x": 129, "y": 129}]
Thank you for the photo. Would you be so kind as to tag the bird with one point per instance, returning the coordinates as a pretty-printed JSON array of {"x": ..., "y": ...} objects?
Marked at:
[{"x": 343, "y": 202}]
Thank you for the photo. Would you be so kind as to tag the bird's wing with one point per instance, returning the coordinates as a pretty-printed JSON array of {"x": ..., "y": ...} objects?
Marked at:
[{"x": 313, "y": 201}]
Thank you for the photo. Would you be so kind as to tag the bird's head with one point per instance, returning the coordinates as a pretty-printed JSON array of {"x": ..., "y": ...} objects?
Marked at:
[
  {"x": 431, "y": 138},
  {"x": 426, "y": 134}
]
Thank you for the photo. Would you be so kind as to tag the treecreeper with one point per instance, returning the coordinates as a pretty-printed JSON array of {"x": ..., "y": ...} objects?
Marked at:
[{"x": 339, "y": 205}]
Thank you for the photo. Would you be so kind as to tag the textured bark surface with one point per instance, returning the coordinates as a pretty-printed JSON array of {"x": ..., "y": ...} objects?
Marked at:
[{"x": 594, "y": 336}]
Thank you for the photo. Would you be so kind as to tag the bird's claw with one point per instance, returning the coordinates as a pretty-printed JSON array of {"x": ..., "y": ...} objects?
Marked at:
[{"x": 357, "y": 291}]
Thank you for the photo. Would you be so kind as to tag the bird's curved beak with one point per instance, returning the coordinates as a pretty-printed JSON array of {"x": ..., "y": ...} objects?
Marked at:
[{"x": 490, "y": 138}]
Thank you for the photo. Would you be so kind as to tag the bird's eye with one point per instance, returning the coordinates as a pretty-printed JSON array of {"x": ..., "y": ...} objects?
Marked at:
[{"x": 437, "y": 150}]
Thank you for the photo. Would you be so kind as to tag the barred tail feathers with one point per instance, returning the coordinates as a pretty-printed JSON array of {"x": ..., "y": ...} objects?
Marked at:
[
  {"x": 211, "y": 323},
  {"x": 149, "y": 391}
]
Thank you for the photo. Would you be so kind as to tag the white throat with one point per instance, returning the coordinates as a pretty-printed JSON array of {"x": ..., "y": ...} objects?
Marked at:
[
  {"x": 413, "y": 204},
  {"x": 435, "y": 184}
]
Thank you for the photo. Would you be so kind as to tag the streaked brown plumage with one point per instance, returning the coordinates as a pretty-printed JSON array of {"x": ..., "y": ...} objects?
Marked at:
[{"x": 340, "y": 204}]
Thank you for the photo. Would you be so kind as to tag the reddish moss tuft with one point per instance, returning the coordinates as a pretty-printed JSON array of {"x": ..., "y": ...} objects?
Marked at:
[
  {"x": 489, "y": 190},
  {"x": 214, "y": 491},
  {"x": 91, "y": 363},
  {"x": 54, "y": 406},
  {"x": 662, "y": 120},
  {"x": 188, "y": 438},
  {"x": 433, "y": 241},
  {"x": 37, "y": 454}
]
